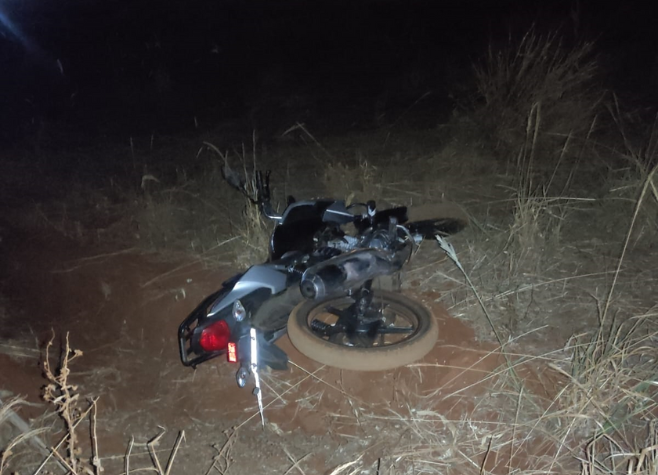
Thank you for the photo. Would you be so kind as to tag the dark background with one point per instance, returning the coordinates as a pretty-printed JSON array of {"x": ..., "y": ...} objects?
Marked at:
[{"x": 130, "y": 68}]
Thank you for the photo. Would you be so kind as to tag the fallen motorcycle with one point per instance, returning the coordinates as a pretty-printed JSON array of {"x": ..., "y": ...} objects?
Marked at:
[{"x": 317, "y": 286}]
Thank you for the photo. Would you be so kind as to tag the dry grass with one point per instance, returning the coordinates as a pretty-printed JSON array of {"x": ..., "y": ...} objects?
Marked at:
[
  {"x": 594, "y": 414},
  {"x": 77, "y": 450},
  {"x": 221, "y": 463},
  {"x": 603, "y": 423},
  {"x": 353, "y": 183},
  {"x": 611, "y": 378},
  {"x": 184, "y": 213},
  {"x": 251, "y": 227},
  {"x": 538, "y": 217},
  {"x": 15, "y": 433},
  {"x": 597, "y": 420},
  {"x": 539, "y": 70},
  {"x": 639, "y": 157},
  {"x": 199, "y": 213}
]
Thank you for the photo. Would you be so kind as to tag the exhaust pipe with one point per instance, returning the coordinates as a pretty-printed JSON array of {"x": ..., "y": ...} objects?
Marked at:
[{"x": 341, "y": 273}]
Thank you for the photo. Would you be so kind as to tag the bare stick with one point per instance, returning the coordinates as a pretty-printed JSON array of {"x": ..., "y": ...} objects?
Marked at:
[
  {"x": 345, "y": 466},
  {"x": 154, "y": 456},
  {"x": 62, "y": 394},
  {"x": 172, "y": 456},
  {"x": 126, "y": 464},
  {"x": 95, "y": 459},
  {"x": 295, "y": 463},
  {"x": 61, "y": 441},
  {"x": 64, "y": 462}
]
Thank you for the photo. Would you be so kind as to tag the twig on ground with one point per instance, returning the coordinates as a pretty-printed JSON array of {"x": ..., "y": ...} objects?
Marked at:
[
  {"x": 295, "y": 462},
  {"x": 126, "y": 463},
  {"x": 95, "y": 459},
  {"x": 343, "y": 467},
  {"x": 222, "y": 461},
  {"x": 152, "y": 444},
  {"x": 172, "y": 455}
]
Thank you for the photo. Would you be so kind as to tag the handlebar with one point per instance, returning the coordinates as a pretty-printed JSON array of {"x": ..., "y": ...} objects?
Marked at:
[{"x": 263, "y": 196}]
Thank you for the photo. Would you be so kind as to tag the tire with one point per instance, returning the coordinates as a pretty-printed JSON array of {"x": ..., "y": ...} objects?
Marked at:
[
  {"x": 373, "y": 358},
  {"x": 430, "y": 219}
]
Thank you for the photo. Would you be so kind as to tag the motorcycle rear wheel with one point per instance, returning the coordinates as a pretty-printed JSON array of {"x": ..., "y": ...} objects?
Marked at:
[{"x": 408, "y": 343}]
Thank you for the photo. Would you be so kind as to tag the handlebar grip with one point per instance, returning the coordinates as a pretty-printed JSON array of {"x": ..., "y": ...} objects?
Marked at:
[{"x": 263, "y": 186}]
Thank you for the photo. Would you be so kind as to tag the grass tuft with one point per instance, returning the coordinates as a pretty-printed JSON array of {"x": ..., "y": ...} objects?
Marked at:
[{"x": 539, "y": 70}]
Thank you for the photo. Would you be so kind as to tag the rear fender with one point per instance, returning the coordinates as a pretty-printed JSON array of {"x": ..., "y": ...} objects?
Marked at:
[
  {"x": 268, "y": 353},
  {"x": 252, "y": 288},
  {"x": 265, "y": 276}
]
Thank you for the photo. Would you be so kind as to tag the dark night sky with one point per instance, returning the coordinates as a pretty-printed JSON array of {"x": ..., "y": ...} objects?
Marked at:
[{"x": 144, "y": 64}]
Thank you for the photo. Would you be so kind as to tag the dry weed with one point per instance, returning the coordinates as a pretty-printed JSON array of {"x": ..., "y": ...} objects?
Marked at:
[
  {"x": 640, "y": 157},
  {"x": 10, "y": 423},
  {"x": 611, "y": 377},
  {"x": 189, "y": 214},
  {"x": 604, "y": 456},
  {"x": 64, "y": 396},
  {"x": 80, "y": 454},
  {"x": 252, "y": 228},
  {"x": 601, "y": 415},
  {"x": 538, "y": 217},
  {"x": 538, "y": 69},
  {"x": 358, "y": 183}
]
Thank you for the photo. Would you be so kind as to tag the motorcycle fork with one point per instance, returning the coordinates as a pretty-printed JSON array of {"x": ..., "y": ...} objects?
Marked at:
[
  {"x": 355, "y": 318},
  {"x": 363, "y": 300},
  {"x": 357, "y": 321}
]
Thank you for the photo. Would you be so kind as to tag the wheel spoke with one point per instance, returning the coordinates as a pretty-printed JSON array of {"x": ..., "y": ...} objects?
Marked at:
[
  {"x": 394, "y": 330},
  {"x": 334, "y": 311},
  {"x": 336, "y": 322}
]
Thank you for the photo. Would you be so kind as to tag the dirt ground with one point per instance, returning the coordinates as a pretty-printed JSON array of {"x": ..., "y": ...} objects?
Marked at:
[{"x": 121, "y": 306}]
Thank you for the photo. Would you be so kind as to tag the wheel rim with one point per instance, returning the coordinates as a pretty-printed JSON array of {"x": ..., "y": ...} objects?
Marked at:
[{"x": 386, "y": 324}]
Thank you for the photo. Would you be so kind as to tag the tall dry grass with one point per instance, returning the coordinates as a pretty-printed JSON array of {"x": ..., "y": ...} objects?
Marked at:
[
  {"x": 250, "y": 226},
  {"x": 638, "y": 158},
  {"x": 539, "y": 70}
]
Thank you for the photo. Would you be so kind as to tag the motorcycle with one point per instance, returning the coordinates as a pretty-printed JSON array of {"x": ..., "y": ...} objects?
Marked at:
[{"x": 317, "y": 285}]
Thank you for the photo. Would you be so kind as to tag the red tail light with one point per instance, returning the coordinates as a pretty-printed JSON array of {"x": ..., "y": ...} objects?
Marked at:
[
  {"x": 232, "y": 352},
  {"x": 215, "y": 337}
]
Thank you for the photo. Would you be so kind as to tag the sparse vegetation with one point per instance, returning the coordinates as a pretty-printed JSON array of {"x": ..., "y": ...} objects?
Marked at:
[
  {"x": 540, "y": 75},
  {"x": 563, "y": 377}
]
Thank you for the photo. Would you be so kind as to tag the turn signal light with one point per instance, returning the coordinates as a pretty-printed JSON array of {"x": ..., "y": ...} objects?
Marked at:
[
  {"x": 232, "y": 352},
  {"x": 215, "y": 337}
]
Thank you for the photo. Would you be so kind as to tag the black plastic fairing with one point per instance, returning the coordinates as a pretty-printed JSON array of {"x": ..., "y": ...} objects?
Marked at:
[{"x": 300, "y": 222}]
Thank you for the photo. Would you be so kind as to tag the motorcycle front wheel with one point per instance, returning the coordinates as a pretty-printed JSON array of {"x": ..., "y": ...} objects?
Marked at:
[{"x": 401, "y": 332}]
